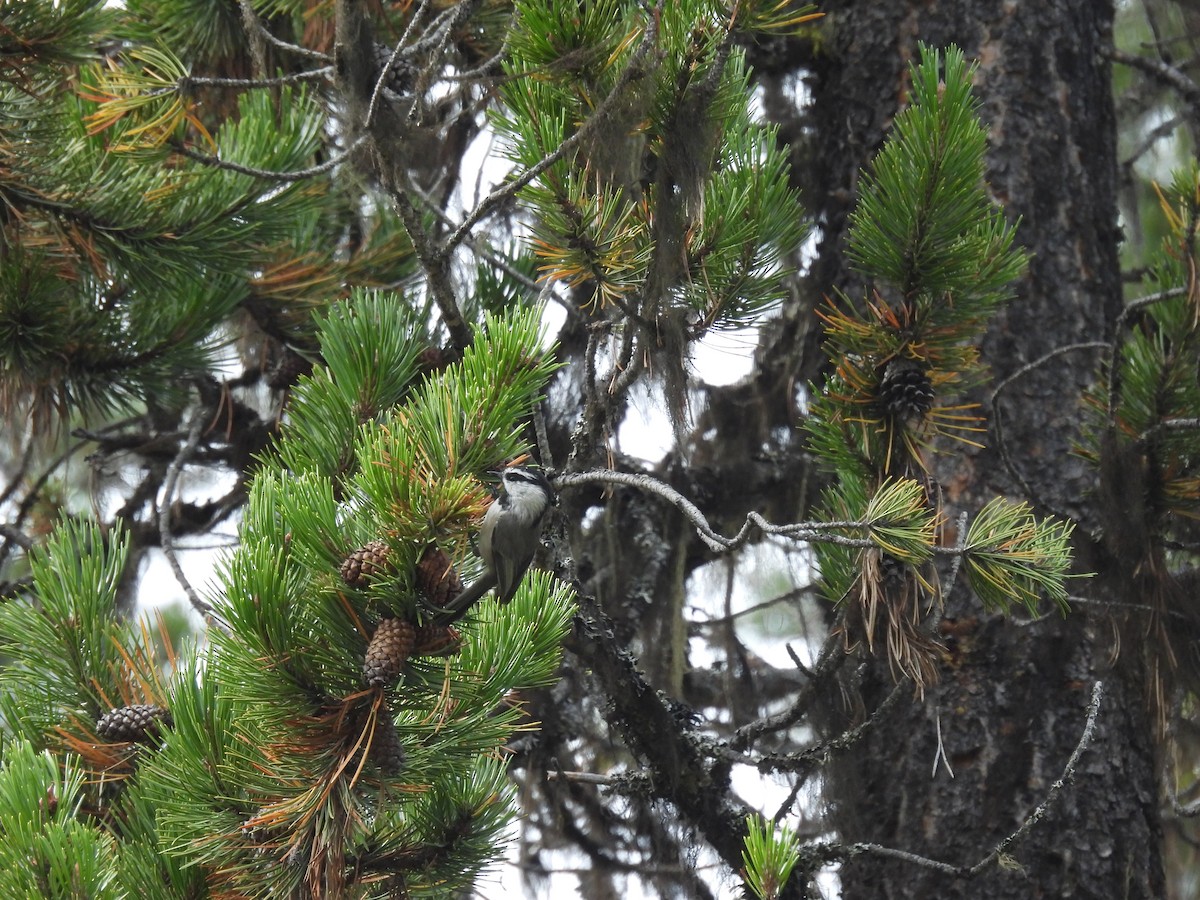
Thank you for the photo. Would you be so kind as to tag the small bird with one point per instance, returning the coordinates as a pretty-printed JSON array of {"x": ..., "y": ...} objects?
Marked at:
[{"x": 508, "y": 538}]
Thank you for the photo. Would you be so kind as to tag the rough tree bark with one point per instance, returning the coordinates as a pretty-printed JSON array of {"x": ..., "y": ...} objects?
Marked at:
[{"x": 1011, "y": 701}]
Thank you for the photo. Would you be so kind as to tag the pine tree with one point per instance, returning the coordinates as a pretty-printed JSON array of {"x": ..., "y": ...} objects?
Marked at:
[
  {"x": 292, "y": 754},
  {"x": 230, "y": 243}
]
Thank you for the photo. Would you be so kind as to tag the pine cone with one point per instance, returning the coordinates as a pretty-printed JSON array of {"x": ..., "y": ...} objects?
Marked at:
[
  {"x": 436, "y": 578},
  {"x": 133, "y": 723},
  {"x": 365, "y": 564},
  {"x": 386, "y": 750},
  {"x": 400, "y": 76},
  {"x": 905, "y": 390},
  {"x": 389, "y": 650},
  {"x": 437, "y": 640}
]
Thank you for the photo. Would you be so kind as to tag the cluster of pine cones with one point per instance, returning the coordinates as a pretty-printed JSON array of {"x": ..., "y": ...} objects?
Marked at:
[{"x": 396, "y": 640}]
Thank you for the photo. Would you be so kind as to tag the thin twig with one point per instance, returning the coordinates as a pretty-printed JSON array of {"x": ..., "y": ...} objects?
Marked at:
[
  {"x": 940, "y": 755},
  {"x": 293, "y": 48},
  {"x": 1085, "y": 740},
  {"x": 956, "y": 561},
  {"x": 297, "y": 175},
  {"x": 853, "y": 850},
  {"x": 820, "y": 753},
  {"x": 481, "y": 247},
  {"x": 1166, "y": 74},
  {"x": 998, "y": 417},
  {"x": 163, "y": 512},
  {"x": 1157, "y": 297},
  {"x": 1114, "y": 348},
  {"x": 715, "y": 541},
  {"x": 387, "y": 68},
  {"x": 628, "y": 367},
  {"x": 786, "y": 806},
  {"x": 34, "y": 492},
  {"x": 190, "y": 81},
  {"x": 16, "y": 536},
  {"x": 797, "y": 661},
  {"x": 1150, "y": 138},
  {"x": 828, "y": 661},
  {"x": 443, "y": 23},
  {"x": 832, "y": 851},
  {"x": 809, "y": 532},
  {"x": 788, "y": 597},
  {"x": 444, "y": 28},
  {"x": 1136, "y": 607},
  {"x": 485, "y": 68}
]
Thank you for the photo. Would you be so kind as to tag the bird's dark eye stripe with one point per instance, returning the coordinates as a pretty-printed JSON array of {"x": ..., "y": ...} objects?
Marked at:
[{"x": 522, "y": 476}]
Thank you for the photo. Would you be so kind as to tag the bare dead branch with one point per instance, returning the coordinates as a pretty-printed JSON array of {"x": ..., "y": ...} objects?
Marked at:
[
  {"x": 1085, "y": 740},
  {"x": 387, "y": 67},
  {"x": 1165, "y": 74},
  {"x": 828, "y": 662},
  {"x": 292, "y": 48},
  {"x": 809, "y": 532},
  {"x": 163, "y": 512},
  {"x": 296, "y": 175},
  {"x": 16, "y": 536},
  {"x": 1157, "y": 297},
  {"x": 819, "y": 754},
  {"x": 189, "y": 81},
  {"x": 998, "y": 416},
  {"x": 832, "y": 851},
  {"x": 35, "y": 490}
]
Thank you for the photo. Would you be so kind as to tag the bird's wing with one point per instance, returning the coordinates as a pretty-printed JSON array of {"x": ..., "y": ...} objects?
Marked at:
[{"x": 511, "y": 556}]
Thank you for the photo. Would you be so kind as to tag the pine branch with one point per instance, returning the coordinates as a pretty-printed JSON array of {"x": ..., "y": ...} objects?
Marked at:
[
  {"x": 804, "y": 761},
  {"x": 632, "y": 70},
  {"x": 187, "y": 83},
  {"x": 384, "y": 71}
]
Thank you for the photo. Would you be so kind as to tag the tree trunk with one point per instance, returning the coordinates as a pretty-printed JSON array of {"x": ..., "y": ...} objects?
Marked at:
[{"x": 1011, "y": 703}]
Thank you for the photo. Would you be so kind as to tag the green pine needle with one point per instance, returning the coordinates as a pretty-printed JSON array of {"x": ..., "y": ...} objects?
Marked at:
[
  {"x": 769, "y": 855},
  {"x": 68, "y": 655},
  {"x": 682, "y": 197},
  {"x": 924, "y": 222},
  {"x": 1010, "y": 555},
  {"x": 47, "y": 851},
  {"x": 900, "y": 520}
]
